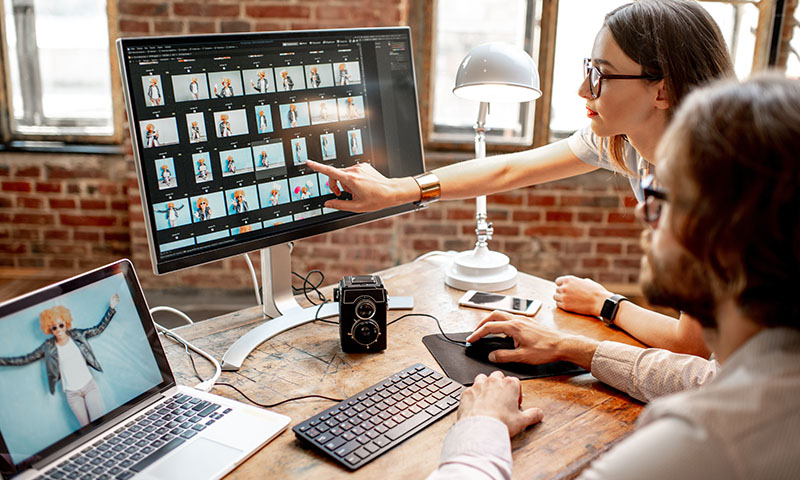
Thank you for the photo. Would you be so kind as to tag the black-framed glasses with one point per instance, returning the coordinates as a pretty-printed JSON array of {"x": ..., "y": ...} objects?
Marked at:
[
  {"x": 58, "y": 326},
  {"x": 654, "y": 200},
  {"x": 595, "y": 75}
]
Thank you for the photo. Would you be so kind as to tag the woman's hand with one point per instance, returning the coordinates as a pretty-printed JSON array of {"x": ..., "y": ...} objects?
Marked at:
[
  {"x": 500, "y": 397},
  {"x": 580, "y": 295},
  {"x": 535, "y": 343},
  {"x": 114, "y": 301},
  {"x": 371, "y": 191}
]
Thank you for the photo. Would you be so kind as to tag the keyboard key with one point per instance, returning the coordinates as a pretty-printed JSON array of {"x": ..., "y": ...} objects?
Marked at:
[
  {"x": 335, "y": 443},
  {"x": 147, "y": 461},
  {"x": 407, "y": 426}
]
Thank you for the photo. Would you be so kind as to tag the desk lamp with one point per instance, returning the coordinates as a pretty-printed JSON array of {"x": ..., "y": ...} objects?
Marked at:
[{"x": 494, "y": 72}]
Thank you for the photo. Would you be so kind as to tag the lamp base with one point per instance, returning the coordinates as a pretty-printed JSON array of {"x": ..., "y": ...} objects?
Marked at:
[{"x": 481, "y": 269}]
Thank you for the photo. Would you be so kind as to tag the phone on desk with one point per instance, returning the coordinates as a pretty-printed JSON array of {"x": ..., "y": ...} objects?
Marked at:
[{"x": 505, "y": 303}]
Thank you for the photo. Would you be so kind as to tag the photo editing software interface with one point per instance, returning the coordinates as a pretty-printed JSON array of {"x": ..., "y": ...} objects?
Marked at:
[{"x": 222, "y": 127}]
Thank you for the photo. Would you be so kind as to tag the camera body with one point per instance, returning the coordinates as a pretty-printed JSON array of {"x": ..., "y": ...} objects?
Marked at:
[{"x": 363, "y": 306}]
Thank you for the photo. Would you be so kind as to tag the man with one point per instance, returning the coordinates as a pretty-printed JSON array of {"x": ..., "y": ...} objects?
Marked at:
[{"x": 724, "y": 247}]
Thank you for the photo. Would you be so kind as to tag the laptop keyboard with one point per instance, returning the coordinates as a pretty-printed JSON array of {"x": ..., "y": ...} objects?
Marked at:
[
  {"x": 140, "y": 442},
  {"x": 361, "y": 428}
]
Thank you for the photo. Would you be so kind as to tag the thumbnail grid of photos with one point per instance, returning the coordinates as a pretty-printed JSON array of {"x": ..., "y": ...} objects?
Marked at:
[{"x": 268, "y": 157}]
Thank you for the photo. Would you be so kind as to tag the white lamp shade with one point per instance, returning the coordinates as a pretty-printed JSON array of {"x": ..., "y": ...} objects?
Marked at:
[{"x": 497, "y": 72}]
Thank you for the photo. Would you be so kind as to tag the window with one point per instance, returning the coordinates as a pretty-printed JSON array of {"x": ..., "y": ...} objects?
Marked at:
[
  {"x": 461, "y": 25},
  {"x": 559, "y": 34},
  {"x": 58, "y": 71}
]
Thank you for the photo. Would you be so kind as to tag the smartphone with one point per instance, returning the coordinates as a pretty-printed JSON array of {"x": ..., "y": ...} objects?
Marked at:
[{"x": 506, "y": 303}]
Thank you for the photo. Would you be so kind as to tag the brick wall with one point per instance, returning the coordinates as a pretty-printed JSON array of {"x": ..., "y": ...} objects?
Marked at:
[{"x": 65, "y": 213}]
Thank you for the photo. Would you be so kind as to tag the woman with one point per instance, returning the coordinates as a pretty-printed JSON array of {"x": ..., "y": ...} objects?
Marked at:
[
  {"x": 67, "y": 356},
  {"x": 645, "y": 59}
]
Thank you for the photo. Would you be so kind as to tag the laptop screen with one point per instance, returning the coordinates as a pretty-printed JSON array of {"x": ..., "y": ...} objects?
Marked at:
[{"x": 74, "y": 356}]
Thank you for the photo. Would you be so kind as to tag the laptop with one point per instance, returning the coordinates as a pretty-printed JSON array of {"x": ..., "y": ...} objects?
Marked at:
[{"x": 86, "y": 391}]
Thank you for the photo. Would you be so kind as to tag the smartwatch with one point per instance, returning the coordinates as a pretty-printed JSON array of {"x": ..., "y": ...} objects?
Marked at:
[{"x": 610, "y": 308}]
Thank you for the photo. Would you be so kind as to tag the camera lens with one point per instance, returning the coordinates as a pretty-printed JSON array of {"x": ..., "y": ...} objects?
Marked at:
[
  {"x": 365, "y": 332},
  {"x": 365, "y": 308}
]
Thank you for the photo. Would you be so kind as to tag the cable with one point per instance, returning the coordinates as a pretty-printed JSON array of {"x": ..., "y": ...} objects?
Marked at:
[
  {"x": 437, "y": 324},
  {"x": 204, "y": 385},
  {"x": 311, "y": 286},
  {"x": 255, "y": 278},
  {"x": 172, "y": 310},
  {"x": 271, "y": 405}
]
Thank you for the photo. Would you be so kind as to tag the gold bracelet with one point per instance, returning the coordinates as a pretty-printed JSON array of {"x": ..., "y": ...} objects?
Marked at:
[{"x": 429, "y": 187}]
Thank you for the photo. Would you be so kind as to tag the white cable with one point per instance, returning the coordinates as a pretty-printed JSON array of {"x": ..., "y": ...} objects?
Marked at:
[
  {"x": 448, "y": 253},
  {"x": 172, "y": 310},
  {"x": 255, "y": 278},
  {"x": 205, "y": 385}
]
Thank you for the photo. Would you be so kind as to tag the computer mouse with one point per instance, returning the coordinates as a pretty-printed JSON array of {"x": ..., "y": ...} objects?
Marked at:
[{"x": 481, "y": 348}]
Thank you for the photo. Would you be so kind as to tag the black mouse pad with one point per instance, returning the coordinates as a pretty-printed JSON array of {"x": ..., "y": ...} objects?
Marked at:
[{"x": 463, "y": 369}]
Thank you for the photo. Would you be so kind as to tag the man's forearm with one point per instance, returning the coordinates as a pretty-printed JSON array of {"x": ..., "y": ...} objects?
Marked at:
[{"x": 578, "y": 350}]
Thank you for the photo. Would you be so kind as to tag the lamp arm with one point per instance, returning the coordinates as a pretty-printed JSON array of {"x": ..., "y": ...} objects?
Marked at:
[{"x": 483, "y": 229}]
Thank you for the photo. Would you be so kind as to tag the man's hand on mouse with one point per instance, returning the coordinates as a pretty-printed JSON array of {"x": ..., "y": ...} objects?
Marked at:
[
  {"x": 535, "y": 344},
  {"x": 500, "y": 397}
]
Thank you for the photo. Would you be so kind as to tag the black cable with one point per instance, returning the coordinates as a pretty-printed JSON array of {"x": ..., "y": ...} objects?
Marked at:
[
  {"x": 319, "y": 309},
  {"x": 307, "y": 285},
  {"x": 271, "y": 405},
  {"x": 437, "y": 324}
]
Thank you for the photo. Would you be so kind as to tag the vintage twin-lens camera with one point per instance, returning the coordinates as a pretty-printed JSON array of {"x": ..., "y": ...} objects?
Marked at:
[{"x": 362, "y": 313}]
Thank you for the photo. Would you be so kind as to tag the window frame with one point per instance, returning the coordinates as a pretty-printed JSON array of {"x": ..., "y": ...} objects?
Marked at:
[
  {"x": 17, "y": 140},
  {"x": 423, "y": 22}
]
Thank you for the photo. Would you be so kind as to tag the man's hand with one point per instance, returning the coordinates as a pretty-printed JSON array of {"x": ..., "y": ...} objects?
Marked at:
[
  {"x": 535, "y": 343},
  {"x": 114, "y": 301},
  {"x": 371, "y": 191},
  {"x": 500, "y": 397},
  {"x": 580, "y": 295}
]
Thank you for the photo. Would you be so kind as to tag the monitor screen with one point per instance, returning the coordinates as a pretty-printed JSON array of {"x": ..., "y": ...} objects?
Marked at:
[{"x": 222, "y": 126}]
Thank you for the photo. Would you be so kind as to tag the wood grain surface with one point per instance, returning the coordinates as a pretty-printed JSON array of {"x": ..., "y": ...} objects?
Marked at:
[{"x": 583, "y": 417}]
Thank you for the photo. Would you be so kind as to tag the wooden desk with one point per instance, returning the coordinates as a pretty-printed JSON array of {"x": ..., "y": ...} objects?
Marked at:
[{"x": 583, "y": 417}]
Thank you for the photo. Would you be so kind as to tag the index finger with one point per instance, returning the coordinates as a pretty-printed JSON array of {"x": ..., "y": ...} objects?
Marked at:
[
  {"x": 490, "y": 327},
  {"x": 331, "y": 172},
  {"x": 495, "y": 316}
]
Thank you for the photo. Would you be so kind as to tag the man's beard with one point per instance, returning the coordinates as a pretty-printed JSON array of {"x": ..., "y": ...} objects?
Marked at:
[{"x": 678, "y": 282}]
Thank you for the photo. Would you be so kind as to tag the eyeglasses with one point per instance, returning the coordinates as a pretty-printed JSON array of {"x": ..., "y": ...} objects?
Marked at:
[
  {"x": 58, "y": 326},
  {"x": 595, "y": 75},
  {"x": 654, "y": 200}
]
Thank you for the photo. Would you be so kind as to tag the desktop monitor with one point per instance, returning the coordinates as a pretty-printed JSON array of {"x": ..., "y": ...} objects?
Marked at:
[{"x": 222, "y": 126}]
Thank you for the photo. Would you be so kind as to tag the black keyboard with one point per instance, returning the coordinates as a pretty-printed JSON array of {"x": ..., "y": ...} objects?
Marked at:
[
  {"x": 365, "y": 426},
  {"x": 136, "y": 445}
]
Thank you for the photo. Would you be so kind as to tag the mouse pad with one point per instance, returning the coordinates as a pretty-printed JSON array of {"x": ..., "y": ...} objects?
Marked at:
[{"x": 463, "y": 369}]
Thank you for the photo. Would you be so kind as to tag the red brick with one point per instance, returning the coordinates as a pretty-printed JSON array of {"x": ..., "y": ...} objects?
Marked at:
[
  {"x": 579, "y": 247},
  {"x": 234, "y": 26},
  {"x": 62, "y": 263},
  {"x": 141, "y": 9},
  {"x": 621, "y": 217},
  {"x": 279, "y": 11},
  {"x": 6, "y": 202},
  {"x": 5, "y": 171},
  {"x": 56, "y": 235},
  {"x": 541, "y": 200},
  {"x": 589, "y": 201},
  {"x": 614, "y": 232},
  {"x": 14, "y": 248},
  {"x": 613, "y": 248},
  {"x": 432, "y": 229},
  {"x": 48, "y": 187},
  {"x": 108, "y": 189},
  {"x": 590, "y": 217},
  {"x": 425, "y": 245},
  {"x": 90, "y": 204},
  {"x": 167, "y": 26},
  {"x": 34, "y": 219},
  {"x": 27, "y": 234},
  {"x": 630, "y": 201},
  {"x": 595, "y": 263},
  {"x": 133, "y": 26},
  {"x": 202, "y": 27},
  {"x": 631, "y": 263},
  {"x": 119, "y": 205},
  {"x": 526, "y": 216},
  {"x": 73, "y": 188},
  {"x": 28, "y": 202},
  {"x": 558, "y": 216},
  {"x": 460, "y": 214},
  {"x": 16, "y": 186},
  {"x": 62, "y": 203},
  {"x": 36, "y": 262},
  {"x": 634, "y": 249},
  {"x": 505, "y": 230},
  {"x": 555, "y": 231},
  {"x": 79, "y": 236},
  {"x": 87, "y": 220},
  {"x": 268, "y": 27},
  {"x": 28, "y": 172},
  {"x": 215, "y": 10},
  {"x": 505, "y": 199}
]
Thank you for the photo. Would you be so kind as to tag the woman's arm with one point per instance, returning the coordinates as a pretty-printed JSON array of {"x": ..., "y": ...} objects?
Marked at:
[
  {"x": 586, "y": 297},
  {"x": 100, "y": 327},
  {"x": 23, "y": 359},
  {"x": 372, "y": 191}
]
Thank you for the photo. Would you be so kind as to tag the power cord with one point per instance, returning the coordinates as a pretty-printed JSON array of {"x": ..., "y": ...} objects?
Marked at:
[
  {"x": 272, "y": 405},
  {"x": 463, "y": 344}
]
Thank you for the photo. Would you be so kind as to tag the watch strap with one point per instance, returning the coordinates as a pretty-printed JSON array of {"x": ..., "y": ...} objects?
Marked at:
[
  {"x": 610, "y": 308},
  {"x": 429, "y": 187}
]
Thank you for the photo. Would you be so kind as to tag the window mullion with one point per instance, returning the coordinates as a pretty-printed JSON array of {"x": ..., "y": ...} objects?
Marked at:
[{"x": 28, "y": 57}]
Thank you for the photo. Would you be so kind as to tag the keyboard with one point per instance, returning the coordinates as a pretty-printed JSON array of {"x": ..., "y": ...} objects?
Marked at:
[
  {"x": 365, "y": 426},
  {"x": 136, "y": 445}
]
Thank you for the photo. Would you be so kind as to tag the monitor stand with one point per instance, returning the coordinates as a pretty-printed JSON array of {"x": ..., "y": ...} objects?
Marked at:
[{"x": 282, "y": 308}]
